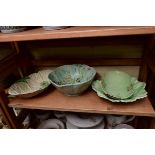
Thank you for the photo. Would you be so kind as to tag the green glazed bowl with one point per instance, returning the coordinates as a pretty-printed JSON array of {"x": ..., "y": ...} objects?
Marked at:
[
  {"x": 117, "y": 84},
  {"x": 72, "y": 80},
  {"x": 138, "y": 87}
]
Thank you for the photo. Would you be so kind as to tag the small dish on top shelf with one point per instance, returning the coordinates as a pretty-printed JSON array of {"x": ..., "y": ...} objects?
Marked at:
[
  {"x": 124, "y": 93},
  {"x": 12, "y": 29},
  {"x": 72, "y": 80},
  {"x": 31, "y": 85},
  {"x": 50, "y": 28}
]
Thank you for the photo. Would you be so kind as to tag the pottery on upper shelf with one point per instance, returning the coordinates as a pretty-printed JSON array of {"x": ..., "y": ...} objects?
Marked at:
[
  {"x": 118, "y": 86},
  {"x": 31, "y": 85},
  {"x": 49, "y": 28},
  {"x": 72, "y": 80},
  {"x": 12, "y": 29}
]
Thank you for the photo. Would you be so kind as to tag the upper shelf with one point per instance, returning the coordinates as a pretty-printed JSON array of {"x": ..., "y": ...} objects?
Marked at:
[
  {"x": 76, "y": 32},
  {"x": 89, "y": 102}
]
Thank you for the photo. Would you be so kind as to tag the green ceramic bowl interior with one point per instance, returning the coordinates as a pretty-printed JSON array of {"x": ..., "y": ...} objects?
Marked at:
[
  {"x": 72, "y": 74},
  {"x": 72, "y": 80},
  {"x": 117, "y": 84},
  {"x": 139, "y": 91}
]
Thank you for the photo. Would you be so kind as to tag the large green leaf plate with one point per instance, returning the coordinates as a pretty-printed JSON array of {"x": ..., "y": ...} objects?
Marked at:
[{"x": 139, "y": 91}]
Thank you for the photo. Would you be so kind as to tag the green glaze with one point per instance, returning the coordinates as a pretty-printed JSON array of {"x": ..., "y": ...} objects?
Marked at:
[
  {"x": 31, "y": 85},
  {"x": 72, "y": 80},
  {"x": 117, "y": 84},
  {"x": 138, "y": 87},
  {"x": 23, "y": 79}
]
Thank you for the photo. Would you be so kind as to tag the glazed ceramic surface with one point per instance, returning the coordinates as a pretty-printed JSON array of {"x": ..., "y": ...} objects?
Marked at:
[
  {"x": 42, "y": 114},
  {"x": 72, "y": 80},
  {"x": 51, "y": 124},
  {"x": 113, "y": 120},
  {"x": 31, "y": 85},
  {"x": 99, "y": 126},
  {"x": 138, "y": 89},
  {"x": 117, "y": 85},
  {"x": 12, "y": 29},
  {"x": 84, "y": 120},
  {"x": 59, "y": 114},
  {"x": 54, "y": 27},
  {"x": 123, "y": 126}
]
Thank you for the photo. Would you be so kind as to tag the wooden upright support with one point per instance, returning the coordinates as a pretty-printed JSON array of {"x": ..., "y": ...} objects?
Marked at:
[{"x": 7, "y": 112}]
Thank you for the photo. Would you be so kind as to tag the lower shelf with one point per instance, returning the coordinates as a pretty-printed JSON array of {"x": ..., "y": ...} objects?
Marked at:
[{"x": 89, "y": 102}]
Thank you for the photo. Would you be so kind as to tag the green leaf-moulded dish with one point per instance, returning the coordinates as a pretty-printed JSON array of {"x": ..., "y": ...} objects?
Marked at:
[
  {"x": 31, "y": 85},
  {"x": 138, "y": 88}
]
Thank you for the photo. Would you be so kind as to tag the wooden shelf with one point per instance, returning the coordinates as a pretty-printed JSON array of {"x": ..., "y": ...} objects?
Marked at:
[
  {"x": 76, "y": 32},
  {"x": 89, "y": 102}
]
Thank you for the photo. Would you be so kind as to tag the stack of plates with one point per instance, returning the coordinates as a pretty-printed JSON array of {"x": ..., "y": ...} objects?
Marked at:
[
  {"x": 51, "y": 124},
  {"x": 117, "y": 86},
  {"x": 42, "y": 114},
  {"x": 12, "y": 29},
  {"x": 60, "y": 115},
  {"x": 84, "y": 121},
  {"x": 123, "y": 126}
]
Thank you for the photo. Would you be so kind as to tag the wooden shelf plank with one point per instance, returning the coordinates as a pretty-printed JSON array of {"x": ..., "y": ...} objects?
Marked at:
[
  {"x": 76, "y": 32},
  {"x": 89, "y": 102}
]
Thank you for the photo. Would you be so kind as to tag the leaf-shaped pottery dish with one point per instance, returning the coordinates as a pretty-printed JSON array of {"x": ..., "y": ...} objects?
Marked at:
[
  {"x": 138, "y": 87},
  {"x": 117, "y": 85},
  {"x": 72, "y": 80},
  {"x": 31, "y": 85}
]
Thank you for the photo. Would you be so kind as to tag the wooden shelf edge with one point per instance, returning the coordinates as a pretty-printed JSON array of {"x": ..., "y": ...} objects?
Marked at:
[
  {"x": 76, "y": 32},
  {"x": 87, "y": 103},
  {"x": 85, "y": 111}
]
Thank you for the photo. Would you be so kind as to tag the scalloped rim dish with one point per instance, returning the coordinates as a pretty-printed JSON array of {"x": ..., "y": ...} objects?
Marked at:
[
  {"x": 139, "y": 91},
  {"x": 31, "y": 85}
]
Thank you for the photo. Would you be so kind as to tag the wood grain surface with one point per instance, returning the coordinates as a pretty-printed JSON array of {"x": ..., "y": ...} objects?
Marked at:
[
  {"x": 76, "y": 32},
  {"x": 89, "y": 102}
]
